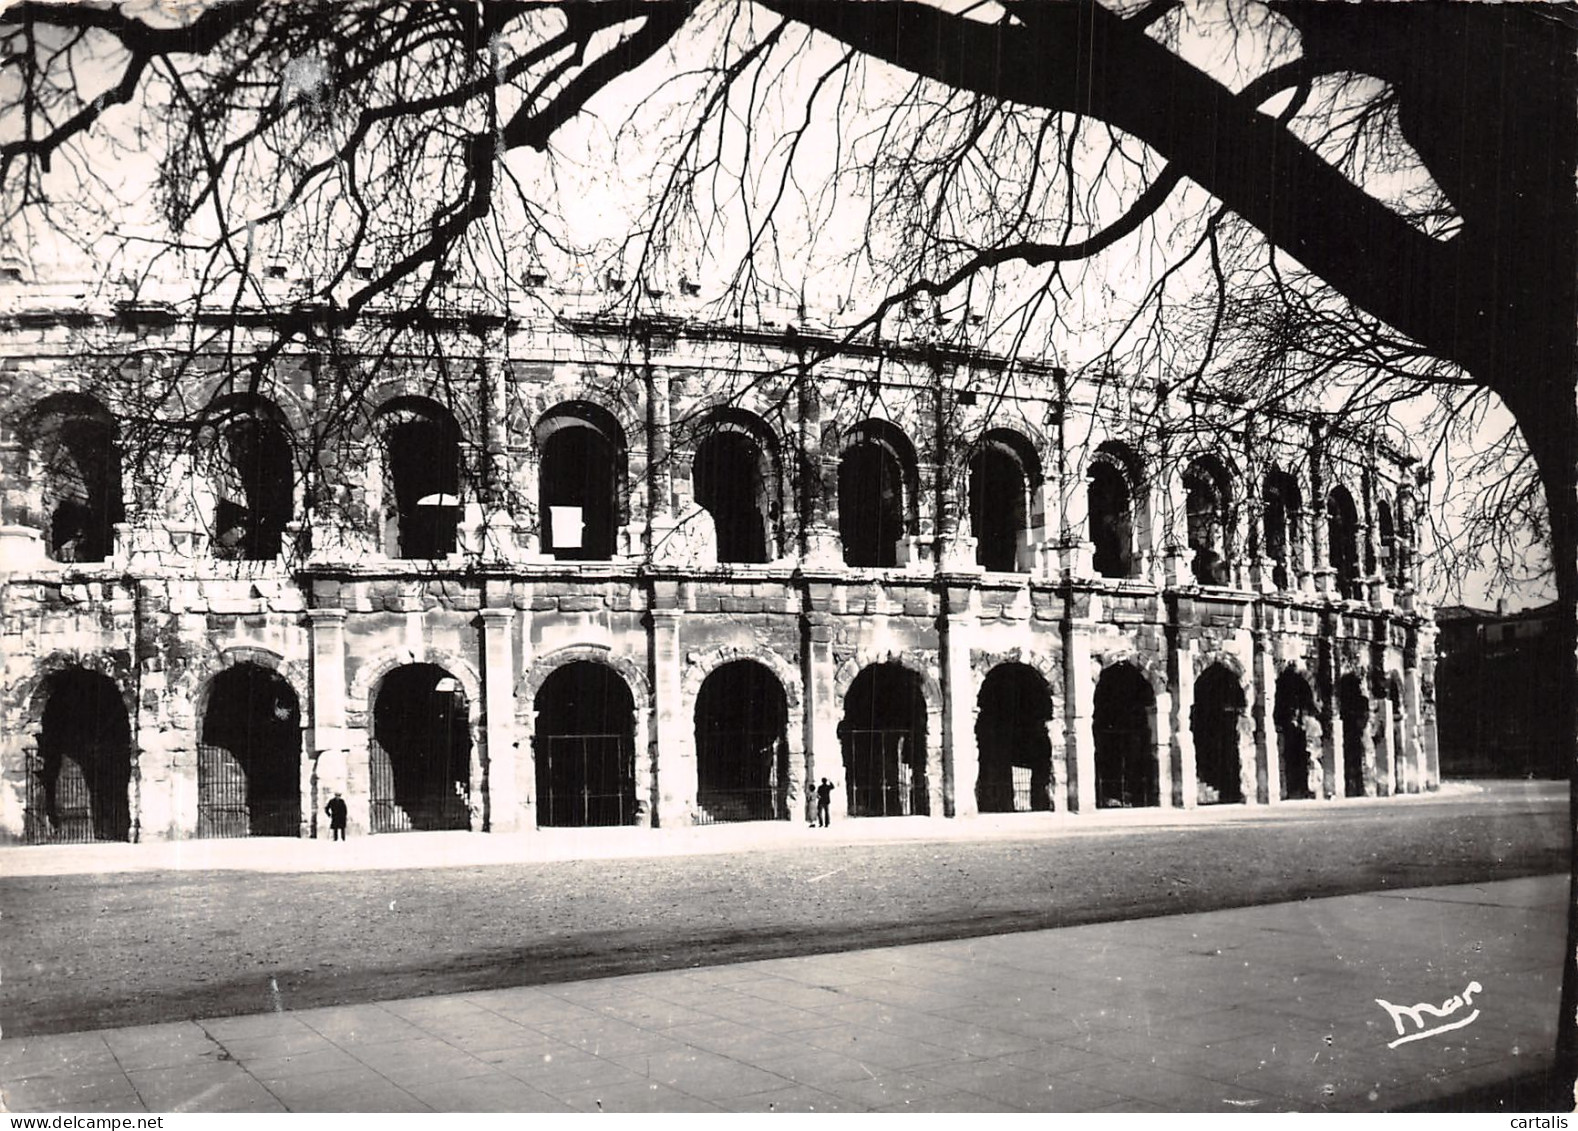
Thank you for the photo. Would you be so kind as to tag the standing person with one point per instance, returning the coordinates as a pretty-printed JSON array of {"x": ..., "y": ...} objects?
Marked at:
[
  {"x": 336, "y": 811},
  {"x": 824, "y": 798}
]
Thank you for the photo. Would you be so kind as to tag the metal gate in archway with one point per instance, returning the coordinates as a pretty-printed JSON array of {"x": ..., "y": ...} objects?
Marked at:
[
  {"x": 886, "y": 773},
  {"x": 61, "y": 808},
  {"x": 221, "y": 794},
  {"x": 587, "y": 780}
]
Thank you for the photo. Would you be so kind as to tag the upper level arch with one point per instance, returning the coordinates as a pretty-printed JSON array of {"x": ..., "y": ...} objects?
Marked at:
[
  {"x": 583, "y": 480},
  {"x": 420, "y": 463},
  {"x": 71, "y": 472},
  {"x": 878, "y": 492}
]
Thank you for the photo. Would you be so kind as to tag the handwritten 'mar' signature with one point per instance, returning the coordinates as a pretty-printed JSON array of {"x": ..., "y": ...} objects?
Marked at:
[{"x": 1416, "y": 1014}]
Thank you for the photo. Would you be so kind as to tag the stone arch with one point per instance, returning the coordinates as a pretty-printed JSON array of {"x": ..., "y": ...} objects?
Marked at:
[
  {"x": 590, "y": 391},
  {"x": 545, "y": 665},
  {"x": 582, "y": 456},
  {"x": 295, "y": 414},
  {"x": 1116, "y": 501},
  {"x": 1002, "y": 473},
  {"x": 1019, "y": 751},
  {"x": 743, "y": 513},
  {"x": 635, "y": 680},
  {"x": 1203, "y": 660},
  {"x": 420, "y": 477},
  {"x": 368, "y": 678},
  {"x": 294, "y": 672},
  {"x": 1150, "y": 667},
  {"x": 1210, "y": 527},
  {"x": 877, "y": 461},
  {"x": 700, "y": 664},
  {"x": 67, "y": 470},
  {"x": 921, "y": 663},
  {"x": 80, "y": 758},
  {"x": 245, "y": 784},
  {"x": 117, "y": 665},
  {"x": 242, "y": 447},
  {"x": 1221, "y": 726}
]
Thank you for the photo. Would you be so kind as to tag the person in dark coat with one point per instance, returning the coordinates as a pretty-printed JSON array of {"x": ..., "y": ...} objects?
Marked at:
[
  {"x": 336, "y": 811},
  {"x": 824, "y": 798}
]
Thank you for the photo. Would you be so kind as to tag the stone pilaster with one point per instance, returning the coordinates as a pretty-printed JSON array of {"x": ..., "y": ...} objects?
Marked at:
[
  {"x": 329, "y": 739},
  {"x": 1181, "y": 750},
  {"x": 1079, "y": 700},
  {"x": 1263, "y": 690},
  {"x": 502, "y": 807},
  {"x": 676, "y": 744},
  {"x": 824, "y": 754},
  {"x": 962, "y": 760}
]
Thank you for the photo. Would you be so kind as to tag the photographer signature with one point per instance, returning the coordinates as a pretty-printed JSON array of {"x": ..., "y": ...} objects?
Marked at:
[{"x": 1416, "y": 1014}]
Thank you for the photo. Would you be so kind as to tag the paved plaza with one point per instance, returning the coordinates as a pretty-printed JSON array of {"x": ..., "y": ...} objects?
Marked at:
[{"x": 1261, "y": 1009}]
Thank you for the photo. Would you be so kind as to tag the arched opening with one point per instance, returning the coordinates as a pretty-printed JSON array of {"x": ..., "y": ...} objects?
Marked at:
[
  {"x": 585, "y": 747},
  {"x": 1280, "y": 517},
  {"x": 253, "y": 479},
  {"x": 884, "y": 738},
  {"x": 580, "y": 480},
  {"x": 1111, "y": 519},
  {"x": 1207, "y": 516},
  {"x": 77, "y": 464},
  {"x": 742, "y": 751},
  {"x": 873, "y": 496},
  {"x": 1386, "y": 536},
  {"x": 1011, "y": 718},
  {"x": 1342, "y": 540},
  {"x": 249, "y": 756},
  {"x": 79, "y": 778},
  {"x": 733, "y": 483},
  {"x": 1354, "y": 707},
  {"x": 420, "y": 753},
  {"x": 1002, "y": 473},
  {"x": 421, "y": 453},
  {"x": 1216, "y": 722},
  {"x": 1124, "y": 721},
  {"x": 1298, "y": 735}
]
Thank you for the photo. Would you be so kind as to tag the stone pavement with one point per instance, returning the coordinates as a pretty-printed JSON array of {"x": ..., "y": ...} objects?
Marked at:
[{"x": 1260, "y": 1009}]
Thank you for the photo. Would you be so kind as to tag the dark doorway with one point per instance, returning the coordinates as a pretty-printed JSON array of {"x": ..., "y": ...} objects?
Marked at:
[
  {"x": 579, "y": 477},
  {"x": 884, "y": 739},
  {"x": 729, "y": 483},
  {"x": 249, "y": 756},
  {"x": 1218, "y": 715},
  {"x": 1298, "y": 734},
  {"x": 1127, "y": 775},
  {"x": 1280, "y": 517},
  {"x": 74, "y": 440},
  {"x": 1354, "y": 707},
  {"x": 253, "y": 486},
  {"x": 1111, "y": 520},
  {"x": 1011, "y": 719},
  {"x": 1342, "y": 531},
  {"x": 80, "y": 776},
  {"x": 420, "y": 755},
  {"x": 870, "y": 504},
  {"x": 585, "y": 747},
  {"x": 422, "y": 487},
  {"x": 742, "y": 756},
  {"x": 997, "y": 507},
  {"x": 1208, "y": 518}
]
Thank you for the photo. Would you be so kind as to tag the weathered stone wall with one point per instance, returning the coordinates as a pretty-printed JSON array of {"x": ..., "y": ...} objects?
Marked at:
[{"x": 334, "y": 615}]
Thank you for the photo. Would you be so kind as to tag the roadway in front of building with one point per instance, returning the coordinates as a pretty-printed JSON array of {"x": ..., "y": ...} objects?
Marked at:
[
  {"x": 94, "y": 938},
  {"x": 1311, "y": 1005}
]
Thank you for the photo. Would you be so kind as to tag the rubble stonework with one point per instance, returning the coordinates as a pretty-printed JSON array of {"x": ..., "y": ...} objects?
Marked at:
[{"x": 589, "y": 573}]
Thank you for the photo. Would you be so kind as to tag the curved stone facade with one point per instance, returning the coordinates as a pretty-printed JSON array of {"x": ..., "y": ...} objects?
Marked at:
[{"x": 587, "y": 573}]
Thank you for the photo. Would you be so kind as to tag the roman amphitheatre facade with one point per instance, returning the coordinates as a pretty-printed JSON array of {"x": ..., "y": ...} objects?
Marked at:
[{"x": 573, "y": 569}]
